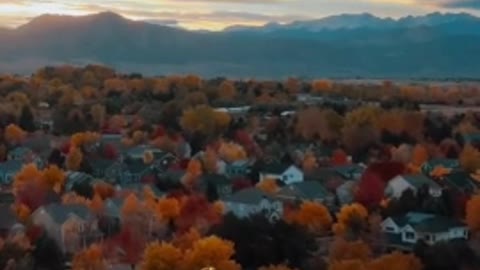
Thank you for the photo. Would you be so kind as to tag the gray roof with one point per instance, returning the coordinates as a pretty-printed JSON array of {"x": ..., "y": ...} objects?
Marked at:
[
  {"x": 307, "y": 190},
  {"x": 60, "y": 212},
  {"x": 8, "y": 217},
  {"x": 73, "y": 177},
  {"x": 419, "y": 180},
  {"x": 347, "y": 171},
  {"x": 11, "y": 166},
  {"x": 251, "y": 195},
  {"x": 113, "y": 207},
  {"x": 275, "y": 168},
  {"x": 425, "y": 222},
  {"x": 460, "y": 180},
  {"x": 136, "y": 166}
]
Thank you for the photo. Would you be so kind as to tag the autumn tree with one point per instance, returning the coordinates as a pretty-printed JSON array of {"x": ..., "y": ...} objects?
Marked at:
[
  {"x": 313, "y": 216},
  {"x": 205, "y": 120},
  {"x": 99, "y": 114},
  {"x": 90, "y": 258},
  {"x": 14, "y": 134},
  {"x": 313, "y": 122},
  {"x": 268, "y": 186},
  {"x": 473, "y": 214},
  {"x": 470, "y": 159},
  {"x": 168, "y": 209},
  {"x": 231, "y": 152},
  {"x": 54, "y": 178},
  {"x": 396, "y": 261},
  {"x": 184, "y": 241},
  {"x": 347, "y": 265},
  {"x": 419, "y": 157},
  {"x": 351, "y": 220},
  {"x": 194, "y": 171},
  {"x": 211, "y": 252},
  {"x": 321, "y": 86},
  {"x": 196, "y": 212},
  {"x": 226, "y": 90},
  {"x": 74, "y": 159},
  {"x": 210, "y": 160},
  {"x": 342, "y": 249},
  {"x": 161, "y": 256},
  {"x": 292, "y": 85},
  {"x": 309, "y": 162}
]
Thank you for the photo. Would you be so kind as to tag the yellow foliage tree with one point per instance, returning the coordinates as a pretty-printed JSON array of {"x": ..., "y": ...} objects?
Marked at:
[
  {"x": 161, "y": 256},
  {"x": 205, "y": 120},
  {"x": 313, "y": 216},
  {"x": 14, "y": 134},
  {"x": 74, "y": 159},
  {"x": 90, "y": 258},
  {"x": 268, "y": 186},
  {"x": 210, "y": 252}
]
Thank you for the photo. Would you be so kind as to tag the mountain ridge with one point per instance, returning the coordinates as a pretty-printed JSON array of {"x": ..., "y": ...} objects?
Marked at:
[{"x": 435, "y": 45}]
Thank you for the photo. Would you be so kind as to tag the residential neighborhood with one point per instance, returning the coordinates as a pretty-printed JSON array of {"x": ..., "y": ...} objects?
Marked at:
[{"x": 140, "y": 168}]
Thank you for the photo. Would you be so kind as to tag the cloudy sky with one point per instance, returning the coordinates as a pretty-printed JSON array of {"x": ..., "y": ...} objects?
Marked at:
[{"x": 217, "y": 14}]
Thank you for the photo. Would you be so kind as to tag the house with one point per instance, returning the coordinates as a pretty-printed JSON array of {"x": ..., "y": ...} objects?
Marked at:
[
  {"x": 25, "y": 155},
  {"x": 133, "y": 170},
  {"x": 287, "y": 174},
  {"x": 73, "y": 227},
  {"x": 404, "y": 231},
  {"x": 8, "y": 220},
  {"x": 238, "y": 168},
  {"x": 73, "y": 178},
  {"x": 460, "y": 182},
  {"x": 415, "y": 182},
  {"x": 350, "y": 171},
  {"x": 250, "y": 201},
  {"x": 216, "y": 186},
  {"x": 305, "y": 191},
  {"x": 8, "y": 170},
  {"x": 447, "y": 163}
]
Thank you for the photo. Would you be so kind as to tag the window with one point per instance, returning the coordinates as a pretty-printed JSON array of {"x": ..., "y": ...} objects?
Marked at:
[
  {"x": 409, "y": 235},
  {"x": 389, "y": 229}
]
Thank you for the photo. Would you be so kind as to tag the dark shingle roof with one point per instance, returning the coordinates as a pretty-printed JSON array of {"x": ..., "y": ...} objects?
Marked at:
[
  {"x": 8, "y": 218},
  {"x": 347, "y": 171},
  {"x": 308, "y": 190},
  {"x": 460, "y": 180},
  {"x": 11, "y": 165},
  {"x": 60, "y": 212},
  {"x": 248, "y": 196},
  {"x": 275, "y": 168},
  {"x": 419, "y": 180},
  {"x": 437, "y": 224}
]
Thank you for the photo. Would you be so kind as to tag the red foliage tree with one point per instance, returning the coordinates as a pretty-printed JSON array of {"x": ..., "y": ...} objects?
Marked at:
[
  {"x": 110, "y": 152},
  {"x": 130, "y": 244},
  {"x": 32, "y": 194},
  {"x": 196, "y": 212},
  {"x": 241, "y": 183},
  {"x": 159, "y": 132},
  {"x": 339, "y": 157},
  {"x": 65, "y": 148}
]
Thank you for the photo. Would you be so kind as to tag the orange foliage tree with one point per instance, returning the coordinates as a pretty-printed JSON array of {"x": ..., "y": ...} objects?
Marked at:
[
  {"x": 90, "y": 258},
  {"x": 231, "y": 152},
  {"x": 74, "y": 159},
  {"x": 313, "y": 216},
  {"x": 105, "y": 190},
  {"x": 351, "y": 219},
  {"x": 161, "y": 256},
  {"x": 194, "y": 171},
  {"x": 419, "y": 156},
  {"x": 54, "y": 178},
  {"x": 211, "y": 252},
  {"x": 309, "y": 162},
  {"x": 205, "y": 120},
  {"x": 396, "y": 261},
  {"x": 96, "y": 204},
  {"x": 14, "y": 134},
  {"x": 268, "y": 186},
  {"x": 473, "y": 214},
  {"x": 470, "y": 159},
  {"x": 321, "y": 86},
  {"x": 227, "y": 90},
  {"x": 347, "y": 265},
  {"x": 185, "y": 241},
  {"x": 342, "y": 249},
  {"x": 210, "y": 160},
  {"x": 168, "y": 209},
  {"x": 29, "y": 173}
]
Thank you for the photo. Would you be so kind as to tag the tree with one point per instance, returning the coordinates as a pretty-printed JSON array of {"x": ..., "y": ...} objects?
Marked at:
[
  {"x": 347, "y": 265},
  {"x": 168, "y": 209},
  {"x": 54, "y": 178},
  {"x": 268, "y": 186},
  {"x": 91, "y": 258},
  {"x": 184, "y": 241},
  {"x": 470, "y": 159},
  {"x": 194, "y": 171},
  {"x": 312, "y": 122},
  {"x": 227, "y": 91},
  {"x": 26, "y": 120},
  {"x": 205, "y": 120},
  {"x": 396, "y": 261},
  {"x": 196, "y": 212},
  {"x": 210, "y": 160},
  {"x": 342, "y": 249},
  {"x": 313, "y": 216},
  {"x": 419, "y": 157},
  {"x": 14, "y": 134},
  {"x": 473, "y": 214},
  {"x": 211, "y": 252},
  {"x": 321, "y": 86},
  {"x": 339, "y": 158},
  {"x": 28, "y": 174},
  {"x": 276, "y": 267},
  {"x": 161, "y": 256},
  {"x": 351, "y": 220},
  {"x": 309, "y": 162},
  {"x": 98, "y": 113},
  {"x": 131, "y": 206},
  {"x": 74, "y": 159},
  {"x": 231, "y": 152},
  {"x": 96, "y": 204}
]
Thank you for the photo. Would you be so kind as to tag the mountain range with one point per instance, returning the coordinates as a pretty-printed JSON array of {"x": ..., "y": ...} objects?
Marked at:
[{"x": 348, "y": 45}]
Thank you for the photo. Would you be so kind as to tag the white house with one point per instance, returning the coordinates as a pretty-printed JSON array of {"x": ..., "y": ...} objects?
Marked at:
[
  {"x": 250, "y": 201},
  {"x": 407, "y": 230},
  {"x": 71, "y": 226},
  {"x": 288, "y": 174},
  {"x": 401, "y": 183}
]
